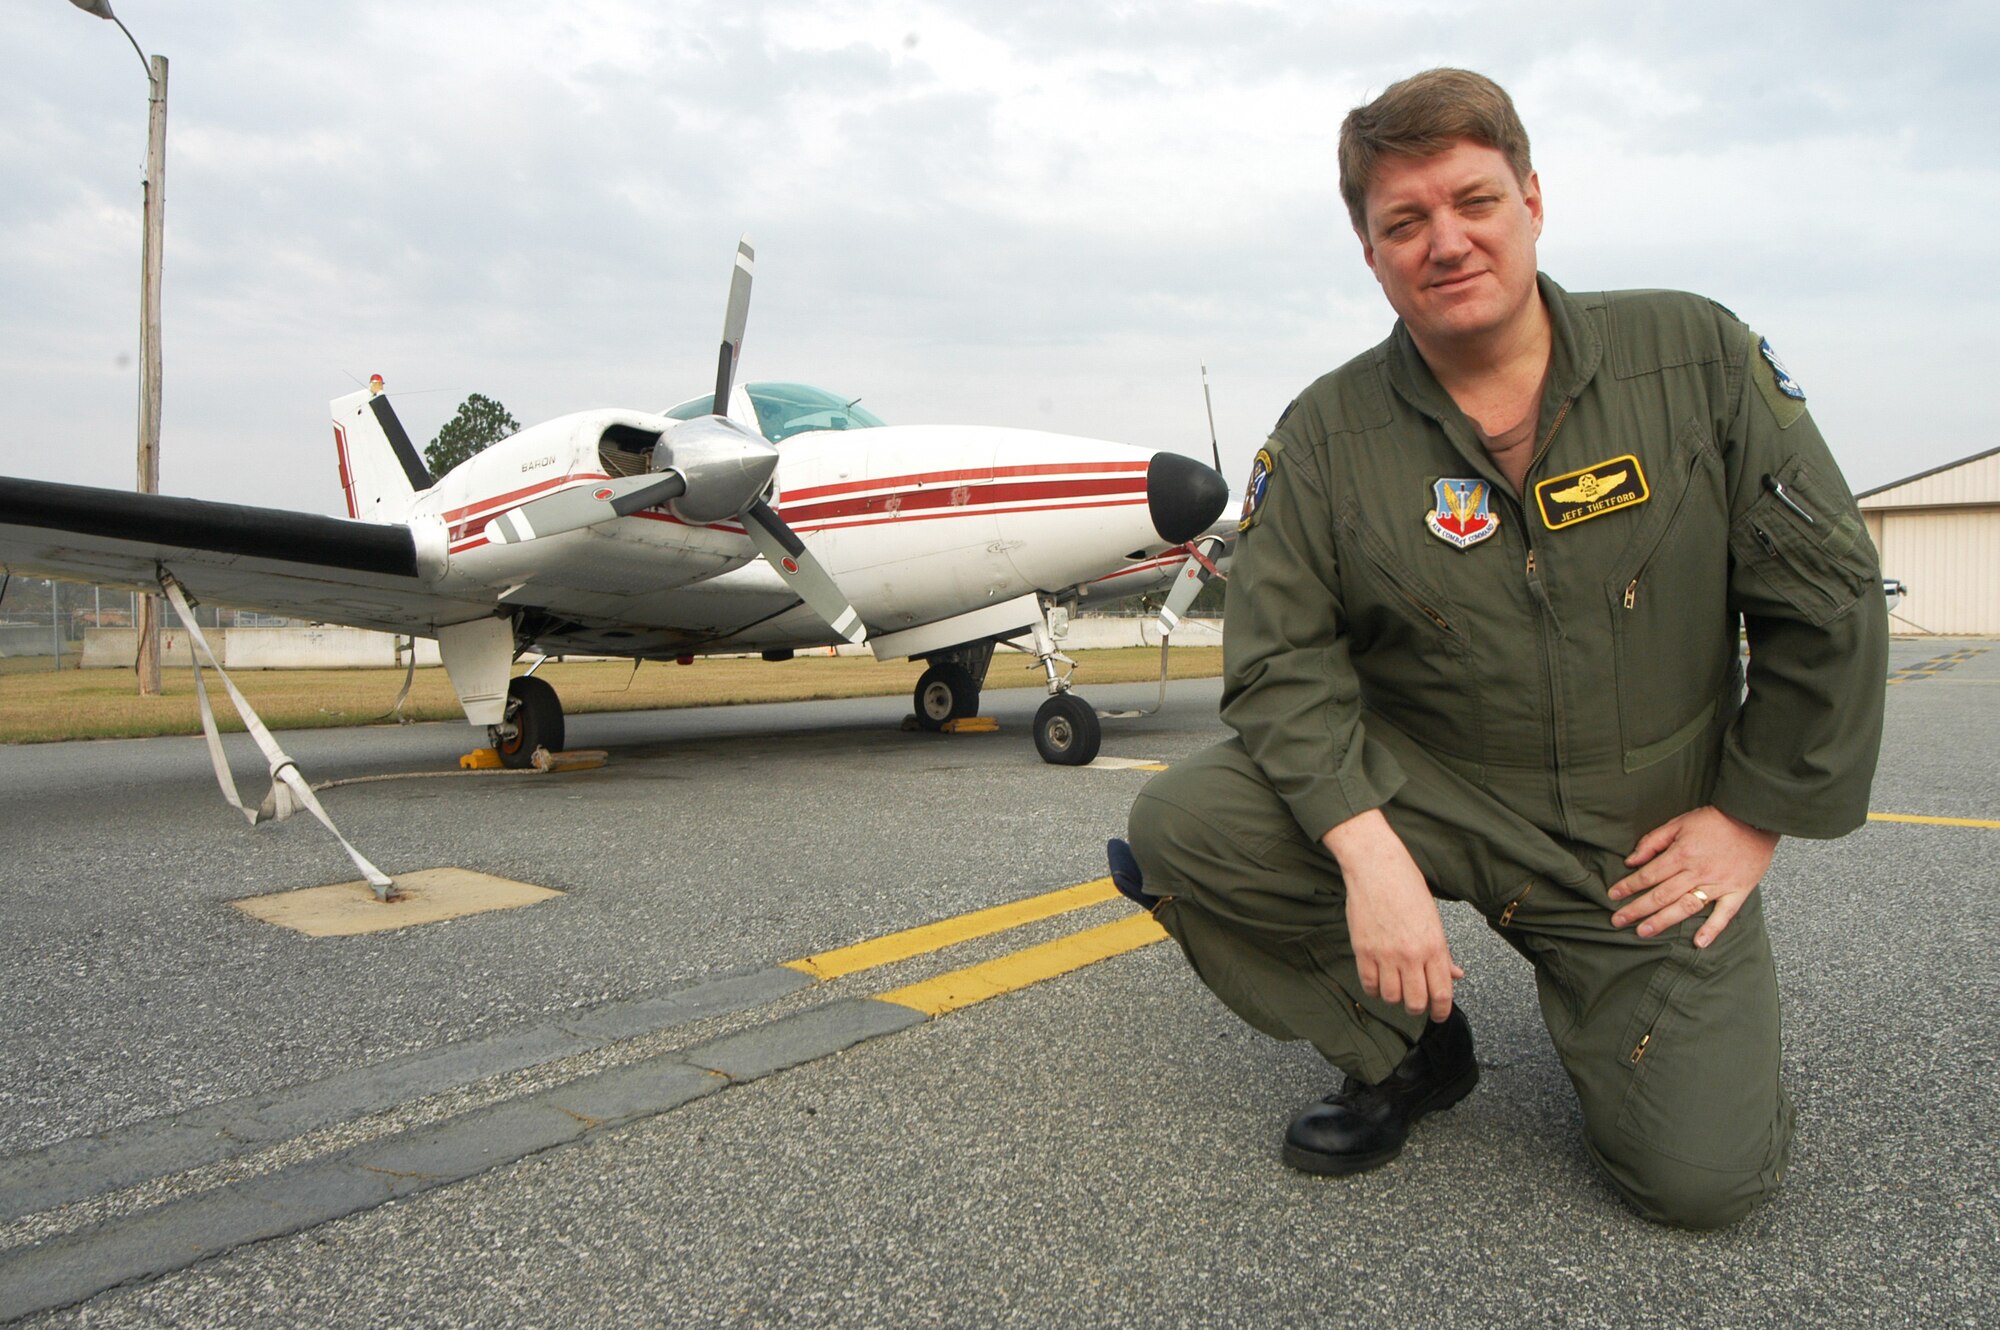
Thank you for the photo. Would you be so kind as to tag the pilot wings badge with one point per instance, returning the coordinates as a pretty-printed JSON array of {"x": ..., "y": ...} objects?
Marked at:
[{"x": 1463, "y": 512}]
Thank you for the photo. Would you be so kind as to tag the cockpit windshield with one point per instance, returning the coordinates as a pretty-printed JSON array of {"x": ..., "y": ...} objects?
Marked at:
[{"x": 785, "y": 409}]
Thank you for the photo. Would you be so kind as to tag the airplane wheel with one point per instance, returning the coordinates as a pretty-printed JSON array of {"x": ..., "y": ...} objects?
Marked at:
[
  {"x": 1066, "y": 731},
  {"x": 537, "y": 717},
  {"x": 945, "y": 692}
]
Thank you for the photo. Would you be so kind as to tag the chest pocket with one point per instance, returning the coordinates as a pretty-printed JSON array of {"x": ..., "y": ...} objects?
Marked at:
[
  {"x": 1412, "y": 645},
  {"x": 1672, "y": 666}
]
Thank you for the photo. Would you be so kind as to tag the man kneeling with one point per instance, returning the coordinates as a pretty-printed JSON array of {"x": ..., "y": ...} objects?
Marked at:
[{"x": 1482, "y": 643}]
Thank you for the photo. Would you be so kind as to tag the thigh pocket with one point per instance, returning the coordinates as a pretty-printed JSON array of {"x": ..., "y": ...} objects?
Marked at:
[{"x": 1701, "y": 1056}]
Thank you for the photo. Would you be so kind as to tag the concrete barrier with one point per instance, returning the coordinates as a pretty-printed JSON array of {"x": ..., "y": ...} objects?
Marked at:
[
  {"x": 1101, "y": 632},
  {"x": 323, "y": 647},
  {"x": 29, "y": 639},
  {"x": 118, "y": 648},
  {"x": 315, "y": 648},
  {"x": 1097, "y": 632}
]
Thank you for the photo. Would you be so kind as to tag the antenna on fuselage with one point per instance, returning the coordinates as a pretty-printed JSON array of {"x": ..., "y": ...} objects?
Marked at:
[{"x": 1213, "y": 447}]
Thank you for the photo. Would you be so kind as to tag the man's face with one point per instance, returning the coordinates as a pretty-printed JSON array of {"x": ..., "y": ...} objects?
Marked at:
[{"x": 1451, "y": 238}]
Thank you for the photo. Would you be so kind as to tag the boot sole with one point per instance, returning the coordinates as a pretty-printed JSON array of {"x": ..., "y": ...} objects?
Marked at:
[{"x": 1338, "y": 1165}]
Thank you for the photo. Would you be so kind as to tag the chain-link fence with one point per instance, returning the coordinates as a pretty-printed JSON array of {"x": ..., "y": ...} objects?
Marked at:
[{"x": 42, "y": 623}]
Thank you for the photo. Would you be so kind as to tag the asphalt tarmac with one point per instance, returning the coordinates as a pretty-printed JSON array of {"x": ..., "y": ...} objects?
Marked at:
[{"x": 619, "y": 1107}]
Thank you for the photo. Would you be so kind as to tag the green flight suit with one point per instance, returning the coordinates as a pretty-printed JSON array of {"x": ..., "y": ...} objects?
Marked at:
[{"x": 1526, "y": 685}]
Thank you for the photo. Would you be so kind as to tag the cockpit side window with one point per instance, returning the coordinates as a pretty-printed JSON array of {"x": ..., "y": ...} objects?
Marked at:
[{"x": 785, "y": 409}]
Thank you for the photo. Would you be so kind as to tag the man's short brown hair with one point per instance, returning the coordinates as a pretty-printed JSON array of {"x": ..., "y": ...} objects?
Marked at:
[{"x": 1424, "y": 115}]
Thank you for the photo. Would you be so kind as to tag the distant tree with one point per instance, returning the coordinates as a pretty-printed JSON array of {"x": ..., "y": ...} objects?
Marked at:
[{"x": 480, "y": 421}]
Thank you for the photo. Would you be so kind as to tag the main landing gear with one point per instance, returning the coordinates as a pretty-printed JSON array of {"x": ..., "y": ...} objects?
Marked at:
[
  {"x": 949, "y": 689},
  {"x": 534, "y": 720}
]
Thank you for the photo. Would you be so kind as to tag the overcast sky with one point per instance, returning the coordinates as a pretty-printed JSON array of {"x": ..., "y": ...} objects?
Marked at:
[{"x": 1010, "y": 212}]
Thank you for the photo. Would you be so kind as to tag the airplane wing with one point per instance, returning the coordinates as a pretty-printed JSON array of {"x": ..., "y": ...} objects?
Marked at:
[{"x": 268, "y": 559}]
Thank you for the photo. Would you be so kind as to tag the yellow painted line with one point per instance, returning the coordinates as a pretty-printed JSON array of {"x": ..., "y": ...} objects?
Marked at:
[
  {"x": 893, "y": 947},
  {"x": 1005, "y": 974},
  {"x": 1934, "y": 821}
]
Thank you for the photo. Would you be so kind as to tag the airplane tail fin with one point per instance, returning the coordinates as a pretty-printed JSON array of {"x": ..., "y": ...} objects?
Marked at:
[{"x": 380, "y": 471}]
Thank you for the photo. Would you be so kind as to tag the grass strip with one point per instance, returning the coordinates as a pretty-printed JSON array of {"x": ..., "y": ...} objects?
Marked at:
[{"x": 52, "y": 705}]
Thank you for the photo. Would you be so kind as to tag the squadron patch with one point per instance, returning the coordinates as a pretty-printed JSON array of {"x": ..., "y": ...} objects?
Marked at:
[
  {"x": 1462, "y": 512},
  {"x": 1787, "y": 385},
  {"x": 1253, "y": 493},
  {"x": 1604, "y": 487},
  {"x": 1780, "y": 391}
]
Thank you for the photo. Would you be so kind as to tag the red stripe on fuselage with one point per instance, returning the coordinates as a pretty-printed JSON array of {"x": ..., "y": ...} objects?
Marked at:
[
  {"x": 974, "y": 476},
  {"x": 970, "y": 493},
  {"x": 962, "y": 497}
]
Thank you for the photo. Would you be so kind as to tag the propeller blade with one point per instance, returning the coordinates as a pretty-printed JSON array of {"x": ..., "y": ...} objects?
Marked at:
[
  {"x": 809, "y": 581},
  {"x": 1188, "y": 582},
  {"x": 733, "y": 324},
  {"x": 584, "y": 505}
]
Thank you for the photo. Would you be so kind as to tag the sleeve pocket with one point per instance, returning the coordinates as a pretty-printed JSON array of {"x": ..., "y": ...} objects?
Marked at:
[{"x": 1811, "y": 555}]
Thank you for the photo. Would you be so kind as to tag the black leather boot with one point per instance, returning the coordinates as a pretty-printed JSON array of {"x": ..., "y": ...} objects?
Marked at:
[
  {"x": 1363, "y": 1126},
  {"x": 1125, "y": 875}
]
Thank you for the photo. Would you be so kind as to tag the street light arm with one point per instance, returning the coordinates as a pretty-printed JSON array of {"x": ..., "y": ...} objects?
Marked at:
[
  {"x": 102, "y": 9},
  {"x": 151, "y": 82}
]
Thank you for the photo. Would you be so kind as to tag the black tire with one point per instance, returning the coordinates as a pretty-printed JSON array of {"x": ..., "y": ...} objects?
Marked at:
[
  {"x": 537, "y": 717},
  {"x": 945, "y": 692},
  {"x": 1066, "y": 731}
]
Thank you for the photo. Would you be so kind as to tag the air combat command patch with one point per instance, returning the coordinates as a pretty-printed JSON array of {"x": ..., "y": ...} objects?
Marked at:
[
  {"x": 1604, "y": 487},
  {"x": 1462, "y": 512},
  {"x": 1253, "y": 493}
]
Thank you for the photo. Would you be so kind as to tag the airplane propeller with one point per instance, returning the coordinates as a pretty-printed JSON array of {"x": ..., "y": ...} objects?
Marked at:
[
  {"x": 710, "y": 469},
  {"x": 1189, "y": 581},
  {"x": 777, "y": 542}
]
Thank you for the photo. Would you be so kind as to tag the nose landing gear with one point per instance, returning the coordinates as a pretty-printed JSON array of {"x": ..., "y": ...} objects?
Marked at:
[{"x": 1066, "y": 730}]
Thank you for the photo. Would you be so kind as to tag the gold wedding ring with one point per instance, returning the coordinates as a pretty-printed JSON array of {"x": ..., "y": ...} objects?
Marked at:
[{"x": 1699, "y": 895}]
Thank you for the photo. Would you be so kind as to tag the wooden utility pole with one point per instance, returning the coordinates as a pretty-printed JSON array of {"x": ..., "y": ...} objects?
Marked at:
[{"x": 149, "y": 348}]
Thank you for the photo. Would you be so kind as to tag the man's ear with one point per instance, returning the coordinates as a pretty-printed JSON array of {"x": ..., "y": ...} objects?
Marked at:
[
  {"x": 1531, "y": 194},
  {"x": 1367, "y": 250}
]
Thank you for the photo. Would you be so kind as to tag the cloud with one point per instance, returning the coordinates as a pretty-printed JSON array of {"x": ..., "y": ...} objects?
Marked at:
[{"x": 1024, "y": 213}]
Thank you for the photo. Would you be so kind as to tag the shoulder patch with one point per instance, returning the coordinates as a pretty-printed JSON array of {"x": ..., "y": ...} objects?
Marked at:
[
  {"x": 1787, "y": 385},
  {"x": 1780, "y": 390},
  {"x": 1253, "y": 493}
]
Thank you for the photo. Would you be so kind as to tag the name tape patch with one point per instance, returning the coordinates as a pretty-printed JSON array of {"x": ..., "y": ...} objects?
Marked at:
[{"x": 1598, "y": 489}]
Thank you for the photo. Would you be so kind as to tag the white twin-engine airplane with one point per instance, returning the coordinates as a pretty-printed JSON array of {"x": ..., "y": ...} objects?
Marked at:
[{"x": 669, "y": 535}]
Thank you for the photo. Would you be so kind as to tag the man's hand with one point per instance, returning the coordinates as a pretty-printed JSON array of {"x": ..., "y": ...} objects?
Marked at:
[
  {"x": 1392, "y": 921},
  {"x": 1704, "y": 850}
]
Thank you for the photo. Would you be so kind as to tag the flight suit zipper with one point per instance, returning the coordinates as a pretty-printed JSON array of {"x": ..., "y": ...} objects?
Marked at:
[
  {"x": 1507, "y": 915},
  {"x": 1410, "y": 597},
  {"x": 1631, "y": 597},
  {"x": 1552, "y": 630}
]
